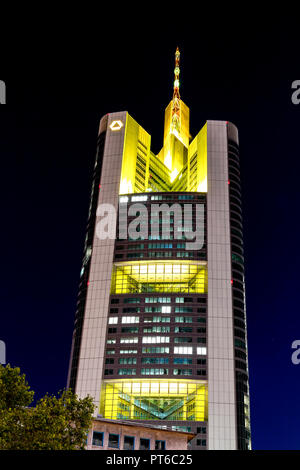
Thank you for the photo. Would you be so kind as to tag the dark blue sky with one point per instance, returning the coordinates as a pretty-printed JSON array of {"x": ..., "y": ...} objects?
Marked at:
[{"x": 58, "y": 87}]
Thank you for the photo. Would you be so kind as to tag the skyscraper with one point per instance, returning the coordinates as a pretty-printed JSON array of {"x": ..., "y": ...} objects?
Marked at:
[{"x": 160, "y": 328}]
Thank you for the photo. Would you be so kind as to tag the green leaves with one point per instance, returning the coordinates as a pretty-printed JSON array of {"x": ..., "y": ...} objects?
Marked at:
[
  {"x": 56, "y": 422},
  {"x": 14, "y": 389}
]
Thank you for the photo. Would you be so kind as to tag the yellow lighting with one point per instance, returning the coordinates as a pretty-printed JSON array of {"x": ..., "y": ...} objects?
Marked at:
[
  {"x": 142, "y": 171},
  {"x": 177, "y": 135},
  {"x": 126, "y": 186},
  {"x": 156, "y": 276},
  {"x": 164, "y": 399},
  {"x": 116, "y": 125},
  {"x": 174, "y": 175},
  {"x": 202, "y": 186},
  {"x": 168, "y": 161}
]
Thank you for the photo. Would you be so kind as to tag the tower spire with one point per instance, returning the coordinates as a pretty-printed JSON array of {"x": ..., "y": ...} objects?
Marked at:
[{"x": 176, "y": 94}]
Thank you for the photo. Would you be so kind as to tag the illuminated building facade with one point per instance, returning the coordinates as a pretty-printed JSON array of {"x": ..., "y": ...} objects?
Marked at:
[{"x": 160, "y": 330}]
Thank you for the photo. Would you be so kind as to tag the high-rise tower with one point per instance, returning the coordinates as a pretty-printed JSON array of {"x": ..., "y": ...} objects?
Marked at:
[{"x": 160, "y": 328}]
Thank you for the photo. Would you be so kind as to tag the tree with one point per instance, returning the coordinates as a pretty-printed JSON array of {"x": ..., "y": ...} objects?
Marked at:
[{"x": 55, "y": 423}]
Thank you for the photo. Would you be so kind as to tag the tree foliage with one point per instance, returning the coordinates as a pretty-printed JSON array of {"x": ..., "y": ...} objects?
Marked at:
[{"x": 54, "y": 423}]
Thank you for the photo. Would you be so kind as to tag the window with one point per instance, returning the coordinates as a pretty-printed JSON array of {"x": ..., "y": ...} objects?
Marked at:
[
  {"x": 155, "y": 350},
  {"x": 152, "y": 309},
  {"x": 183, "y": 360},
  {"x": 131, "y": 310},
  {"x": 157, "y": 319},
  {"x": 136, "y": 247},
  {"x": 127, "y": 371},
  {"x": 201, "y": 320},
  {"x": 155, "y": 360},
  {"x": 111, "y": 341},
  {"x": 201, "y": 442},
  {"x": 154, "y": 371},
  {"x": 129, "y": 340},
  {"x": 113, "y": 320},
  {"x": 183, "y": 319},
  {"x": 110, "y": 351},
  {"x": 97, "y": 439},
  {"x": 182, "y": 371},
  {"x": 130, "y": 319},
  {"x": 201, "y": 330},
  {"x": 127, "y": 360},
  {"x": 156, "y": 300},
  {"x": 144, "y": 444},
  {"x": 201, "y": 430},
  {"x": 109, "y": 361},
  {"x": 165, "y": 309},
  {"x": 129, "y": 329},
  {"x": 183, "y": 309},
  {"x": 183, "y": 329},
  {"x": 183, "y": 350},
  {"x": 201, "y": 351},
  {"x": 182, "y": 428},
  {"x": 159, "y": 276},
  {"x": 128, "y": 351},
  {"x": 160, "y": 445},
  {"x": 138, "y": 198},
  {"x": 128, "y": 443},
  {"x": 155, "y": 339},
  {"x": 157, "y": 329},
  {"x": 201, "y": 340},
  {"x": 131, "y": 300},
  {"x": 202, "y": 362},
  {"x": 183, "y": 339},
  {"x": 156, "y": 399},
  {"x": 135, "y": 255},
  {"x": 113, "y": 441},
  {"x": 112, "y": 330}
]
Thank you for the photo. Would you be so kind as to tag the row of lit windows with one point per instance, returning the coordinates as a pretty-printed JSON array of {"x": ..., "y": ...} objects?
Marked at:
[
  {"x": 180, "y": 399},
  {"x": 114, "y": 320},
  {"x": 155, "y": 339},
  {"x": 161, "y": 300},
  {"x": 160, "y": 309},
  {"x": 161, "y": 254},
  {"x": 186, "y": 350},
  {"x": 159, "y": 277},
  {"x": 155, "y": 360},
  {"x": 162, "y": 236},
  {"x": 158, "y": 329},
  {"x": 154, "y": 371},
  {"x": 164, "y": 309}
]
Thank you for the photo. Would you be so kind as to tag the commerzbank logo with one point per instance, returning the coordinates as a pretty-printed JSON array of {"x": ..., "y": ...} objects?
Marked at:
[{"x": 116, "y": 125}]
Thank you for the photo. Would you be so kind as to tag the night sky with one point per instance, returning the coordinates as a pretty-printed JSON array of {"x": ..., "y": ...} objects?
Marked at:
[{"x": 61, "y": 79}]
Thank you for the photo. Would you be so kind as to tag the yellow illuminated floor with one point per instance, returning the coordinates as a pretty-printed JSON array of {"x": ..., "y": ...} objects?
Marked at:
[{"x": 154, "y": 399}]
